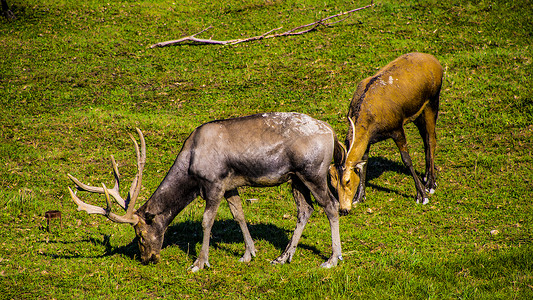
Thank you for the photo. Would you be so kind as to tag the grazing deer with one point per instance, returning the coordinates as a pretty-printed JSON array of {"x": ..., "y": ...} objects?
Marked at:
[
  {"x": 405, "y": 90},
  {"x": 220, "y": 156}
]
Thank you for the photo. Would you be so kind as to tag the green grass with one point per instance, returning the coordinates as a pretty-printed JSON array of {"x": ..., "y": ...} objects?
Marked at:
[{"x": 76, "y": 77}]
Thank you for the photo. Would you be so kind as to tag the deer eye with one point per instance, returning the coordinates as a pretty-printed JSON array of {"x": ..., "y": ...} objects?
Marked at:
[{"x": 149, "y": 218}]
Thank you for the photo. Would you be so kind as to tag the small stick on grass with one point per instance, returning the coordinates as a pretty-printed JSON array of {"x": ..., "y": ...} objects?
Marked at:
[{"x": 52, "y": 214}]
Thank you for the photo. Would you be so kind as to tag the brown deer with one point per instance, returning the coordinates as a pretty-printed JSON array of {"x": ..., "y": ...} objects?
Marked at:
[
  {"x": 217, "y": 158},
  {"x": 405, "y": 90}
]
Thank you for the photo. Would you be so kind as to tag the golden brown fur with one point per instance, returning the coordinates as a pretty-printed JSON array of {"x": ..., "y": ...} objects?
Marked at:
[{"x": 405, "y": 90}]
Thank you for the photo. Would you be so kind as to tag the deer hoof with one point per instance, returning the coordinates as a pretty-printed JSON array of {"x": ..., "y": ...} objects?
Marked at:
[
  {"x": 247, "y": 257},
  {"x": 194, "y": 269},
  {"x": 197, "y": 266},
  {"x": 332, "y": 262},
  {"x": 280, "y": 260}
]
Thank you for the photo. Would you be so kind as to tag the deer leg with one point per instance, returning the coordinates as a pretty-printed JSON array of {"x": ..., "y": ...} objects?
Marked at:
[
  {"x": 235, "y": 205},
  {"x": 361, "y": 194},
  {"x": 426, "y": 124},
  {"x": 401, "y": 142},
  {"x": 210, "y": 212},
  {"x": 333, "y": 218},
  {"x": 302, "y": 197},
  {"x": 327, "y": 202}
]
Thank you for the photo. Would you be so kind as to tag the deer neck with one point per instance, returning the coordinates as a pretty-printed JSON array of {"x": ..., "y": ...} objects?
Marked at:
[{"x": 176, "y": 191}]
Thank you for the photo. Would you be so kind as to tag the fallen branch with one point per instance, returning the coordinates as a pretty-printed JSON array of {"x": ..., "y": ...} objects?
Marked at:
[{"x": 295, "y": 31}]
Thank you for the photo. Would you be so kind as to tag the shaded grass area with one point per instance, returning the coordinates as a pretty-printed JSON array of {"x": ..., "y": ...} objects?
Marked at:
[{"x": 76, "y": 77}]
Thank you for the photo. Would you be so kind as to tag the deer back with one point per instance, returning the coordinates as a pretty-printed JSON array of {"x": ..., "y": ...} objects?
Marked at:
[
  {"x": 261, "y": 149},
  {"x": 398, "y": 92}
]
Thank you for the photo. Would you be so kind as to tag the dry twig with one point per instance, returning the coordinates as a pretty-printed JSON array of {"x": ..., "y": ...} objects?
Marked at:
[{"x": 267, "y": 35}]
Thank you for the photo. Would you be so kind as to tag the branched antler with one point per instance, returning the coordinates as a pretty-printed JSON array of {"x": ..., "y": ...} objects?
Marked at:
[
  {"x": 127, "y": 204},
  {"x": 309, "y": 27}
]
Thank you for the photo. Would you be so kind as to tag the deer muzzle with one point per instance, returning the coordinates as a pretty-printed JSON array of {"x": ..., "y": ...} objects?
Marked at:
[{"x": 152, "y": 258}]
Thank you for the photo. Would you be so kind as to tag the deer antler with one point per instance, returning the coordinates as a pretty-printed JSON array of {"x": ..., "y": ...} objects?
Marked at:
[
  {"x": 129, "y": 203},
  {"x": 352, "y": 127}
]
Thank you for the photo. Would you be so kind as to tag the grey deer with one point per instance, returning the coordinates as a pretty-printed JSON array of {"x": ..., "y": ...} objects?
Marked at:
[{"x": 218, "y": 157}]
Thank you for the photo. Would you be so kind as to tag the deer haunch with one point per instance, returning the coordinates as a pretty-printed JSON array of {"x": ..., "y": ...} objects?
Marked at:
[
  {"x": 220, "y": 156},
  {"x": 405, "y": 90}
]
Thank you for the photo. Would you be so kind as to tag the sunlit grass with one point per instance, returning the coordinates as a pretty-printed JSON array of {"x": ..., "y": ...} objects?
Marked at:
[{"x": 76, "y": 78}]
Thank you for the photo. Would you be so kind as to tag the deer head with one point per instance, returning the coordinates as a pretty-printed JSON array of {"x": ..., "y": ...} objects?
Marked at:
[
  {"x": 344, "y": 176},
  {"x": 149, "y": 234}
]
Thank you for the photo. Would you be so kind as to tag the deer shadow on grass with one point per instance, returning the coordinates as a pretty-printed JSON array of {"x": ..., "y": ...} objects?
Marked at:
[
  {"x": 105, "y": 241},
  {"x": 188, "y": 234},
  {"x": 377, "y": 166}
]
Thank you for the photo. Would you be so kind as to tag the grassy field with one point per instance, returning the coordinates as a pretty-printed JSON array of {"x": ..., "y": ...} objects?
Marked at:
[{"x": 77, "y": 76}]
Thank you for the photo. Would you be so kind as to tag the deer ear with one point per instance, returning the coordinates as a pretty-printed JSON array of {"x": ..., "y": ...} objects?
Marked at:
[
  {"x": 333, "y": 175},
  {"x": 339, "y": 154},
  {"x": 360, "y": 165},
  {"x": 149, "y": 218}
]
